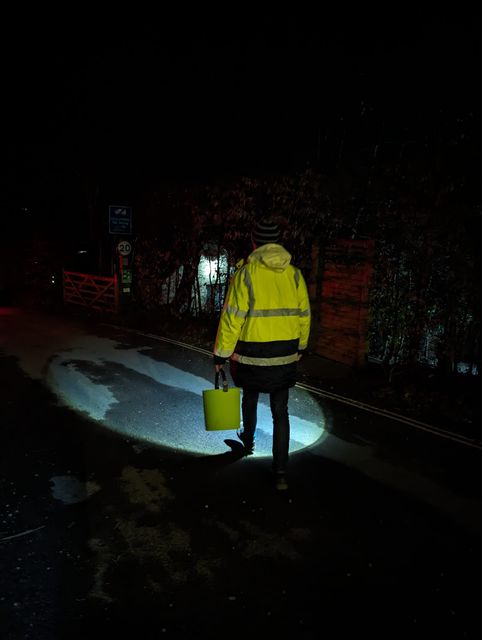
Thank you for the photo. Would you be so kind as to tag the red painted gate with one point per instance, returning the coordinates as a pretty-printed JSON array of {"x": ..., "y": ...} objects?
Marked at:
[{"x": 96, "y": 292}]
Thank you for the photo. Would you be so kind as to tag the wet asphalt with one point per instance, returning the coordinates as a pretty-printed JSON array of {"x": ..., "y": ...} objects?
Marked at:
[{"x": 105, "y": 528}]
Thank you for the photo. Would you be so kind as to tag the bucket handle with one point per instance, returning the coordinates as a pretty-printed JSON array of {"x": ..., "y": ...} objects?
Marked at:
[{"x": 223, "y": 376}]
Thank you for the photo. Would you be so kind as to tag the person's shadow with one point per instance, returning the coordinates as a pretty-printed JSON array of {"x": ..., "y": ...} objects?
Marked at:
[
  {"x": 218, "y": 460},
  {"x": 237, "y": 448}
]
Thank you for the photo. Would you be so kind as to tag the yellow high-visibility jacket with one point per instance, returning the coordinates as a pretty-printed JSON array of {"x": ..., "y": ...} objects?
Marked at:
[{"x": 266, "y": 316}]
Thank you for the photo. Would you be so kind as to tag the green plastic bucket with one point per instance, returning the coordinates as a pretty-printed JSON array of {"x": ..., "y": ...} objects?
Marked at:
[{"x": 222, "y": 406}]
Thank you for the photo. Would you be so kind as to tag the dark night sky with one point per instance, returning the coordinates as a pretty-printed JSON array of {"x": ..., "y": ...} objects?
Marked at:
[{"x": 201, "y": 95}]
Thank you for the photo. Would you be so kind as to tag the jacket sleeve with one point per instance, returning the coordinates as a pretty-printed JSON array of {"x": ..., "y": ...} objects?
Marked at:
[
  {"x": 233, "y": 316},
  {"x": 305, "y": 313}
]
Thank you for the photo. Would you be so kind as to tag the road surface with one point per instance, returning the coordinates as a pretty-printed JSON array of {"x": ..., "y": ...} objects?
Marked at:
[{"x": 121, "y": 514}]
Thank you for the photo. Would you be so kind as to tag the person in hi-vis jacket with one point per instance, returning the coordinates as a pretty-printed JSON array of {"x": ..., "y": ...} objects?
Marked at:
[{"x": 263, "y": 330}]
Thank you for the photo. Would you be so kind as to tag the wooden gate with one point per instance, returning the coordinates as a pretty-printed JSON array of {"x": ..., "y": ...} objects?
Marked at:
[
  {"x": 95, "y": 292},
  {"x": 339, "y": 293}
]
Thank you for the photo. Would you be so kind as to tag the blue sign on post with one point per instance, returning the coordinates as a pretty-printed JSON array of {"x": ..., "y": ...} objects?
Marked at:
[{"x": 120, "y": 219}]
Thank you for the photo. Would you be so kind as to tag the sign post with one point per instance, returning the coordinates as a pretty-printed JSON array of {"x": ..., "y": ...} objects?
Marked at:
[
  {"x": 120, "y": 219},
  {"x": 124, "y": 250},
  {"x": 124, "y": 247}
]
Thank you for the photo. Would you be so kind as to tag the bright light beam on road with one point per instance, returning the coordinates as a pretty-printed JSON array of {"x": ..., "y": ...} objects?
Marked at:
[{"x": 154, "y": 401}]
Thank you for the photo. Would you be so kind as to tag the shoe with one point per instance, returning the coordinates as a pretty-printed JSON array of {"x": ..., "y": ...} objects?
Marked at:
[
  {"x": 281, "y": 482},
  {"x": 247, "y": 444}
]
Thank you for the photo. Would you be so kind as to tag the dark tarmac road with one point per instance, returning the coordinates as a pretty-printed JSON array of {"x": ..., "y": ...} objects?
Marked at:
[{"x": 112, "y": 532}]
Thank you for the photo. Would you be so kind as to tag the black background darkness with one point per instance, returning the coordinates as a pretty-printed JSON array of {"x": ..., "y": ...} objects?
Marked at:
[{"x": 130, "y": 101}]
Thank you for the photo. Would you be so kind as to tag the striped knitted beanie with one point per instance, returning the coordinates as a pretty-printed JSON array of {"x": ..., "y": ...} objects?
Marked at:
[{"x": 266, "y": 231}]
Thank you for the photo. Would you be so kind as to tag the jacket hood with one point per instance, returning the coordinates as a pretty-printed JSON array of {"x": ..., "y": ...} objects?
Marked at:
[{"x": 272, "y": 256}]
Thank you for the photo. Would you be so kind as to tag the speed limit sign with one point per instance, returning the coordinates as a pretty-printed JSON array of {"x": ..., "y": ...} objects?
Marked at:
[{"x": 124, "y": 248}]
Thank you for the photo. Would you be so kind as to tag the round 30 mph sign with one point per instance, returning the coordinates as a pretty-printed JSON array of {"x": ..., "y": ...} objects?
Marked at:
[{"x": 124, "y": 248}]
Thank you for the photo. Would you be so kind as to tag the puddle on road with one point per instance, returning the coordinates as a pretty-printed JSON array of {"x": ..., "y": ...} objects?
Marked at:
[{"x": 71, "y": 490}]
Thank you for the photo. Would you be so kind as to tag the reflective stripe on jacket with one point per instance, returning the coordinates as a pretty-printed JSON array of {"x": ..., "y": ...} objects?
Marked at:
[{"x": 265, "y": 320}]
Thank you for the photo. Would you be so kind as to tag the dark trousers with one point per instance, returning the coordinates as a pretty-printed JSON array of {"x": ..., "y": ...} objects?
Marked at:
[{"x": 278, "y": 401}]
